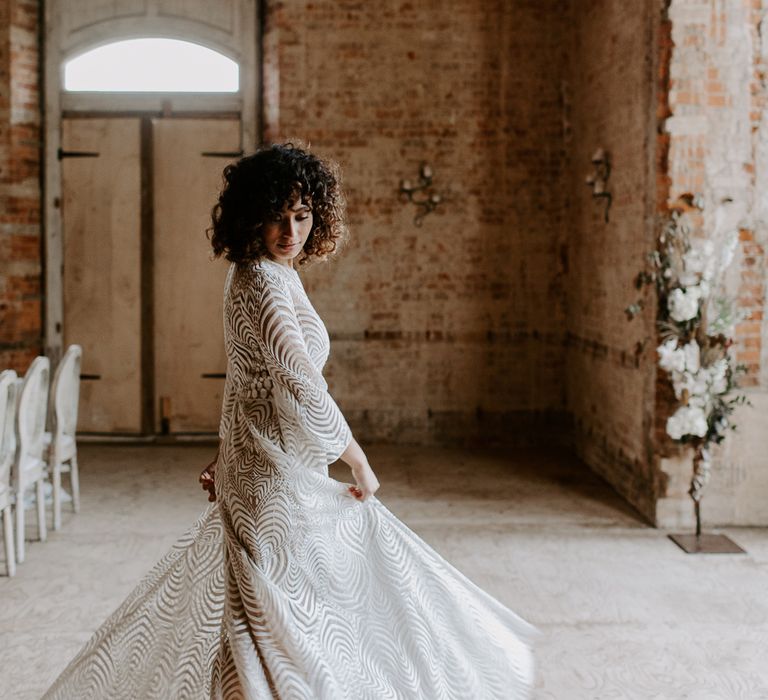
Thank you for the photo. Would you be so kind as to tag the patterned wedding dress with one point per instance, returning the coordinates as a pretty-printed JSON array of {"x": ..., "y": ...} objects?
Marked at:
[{"x": 287, "y": 586}]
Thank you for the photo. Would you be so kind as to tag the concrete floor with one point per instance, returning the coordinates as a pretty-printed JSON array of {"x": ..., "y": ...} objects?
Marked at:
[{"x": 625, "y": 613}]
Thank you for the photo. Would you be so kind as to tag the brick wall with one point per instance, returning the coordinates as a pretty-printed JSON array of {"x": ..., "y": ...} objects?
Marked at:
[
  {"x": 717, "y": 128},
  {"x": 700, "y": 66},
  {"x": 610, "y": 373},
  {"x": 20, "y": 246},
  {"x": 502, "y": 317},
  {"x": 454, "y": 330}
]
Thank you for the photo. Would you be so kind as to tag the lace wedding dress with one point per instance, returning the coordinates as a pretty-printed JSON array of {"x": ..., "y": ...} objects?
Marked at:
[{"x": 287, "y": 586}]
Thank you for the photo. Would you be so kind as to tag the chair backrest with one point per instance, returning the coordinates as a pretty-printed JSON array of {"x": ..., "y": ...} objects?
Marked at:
[
  {"x": 7, "y": 426},
  {"x": 32, "y": 408},
  {"x": 65, "y": 392}
]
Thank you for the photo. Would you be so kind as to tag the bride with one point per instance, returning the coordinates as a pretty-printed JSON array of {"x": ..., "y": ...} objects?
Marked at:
[{"x": 292, "y": 585}]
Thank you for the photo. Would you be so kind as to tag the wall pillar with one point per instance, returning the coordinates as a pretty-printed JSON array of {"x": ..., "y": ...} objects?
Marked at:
[{"x": 20, "y": 154}]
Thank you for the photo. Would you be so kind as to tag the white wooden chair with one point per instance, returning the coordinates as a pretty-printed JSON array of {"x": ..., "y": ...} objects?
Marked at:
[
  {"x": 30, "y": 465},
  {"x": 62, "y": 445},
  {"x": 7, "y": 455}
]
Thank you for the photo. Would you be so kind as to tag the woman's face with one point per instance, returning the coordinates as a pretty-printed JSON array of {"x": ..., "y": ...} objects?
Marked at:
[{"x": 286, "y": 232}]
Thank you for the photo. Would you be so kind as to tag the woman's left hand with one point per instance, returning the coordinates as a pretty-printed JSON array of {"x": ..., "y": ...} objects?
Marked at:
[{"x": 367, "y": 483}]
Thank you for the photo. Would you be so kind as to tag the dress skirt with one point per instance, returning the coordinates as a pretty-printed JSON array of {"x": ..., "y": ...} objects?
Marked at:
[{"x": 287, "y": 586}]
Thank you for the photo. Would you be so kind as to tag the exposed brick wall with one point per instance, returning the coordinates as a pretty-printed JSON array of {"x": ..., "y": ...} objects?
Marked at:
[
  {"x": 20, "y": 249},
  {"x": 456, "y": 329},
  {"x": 611, "y": 83},
  {"x": 502, "y": 317},
  {"x": 718, "y": 148},
  {"x": 718, "y": 102}
]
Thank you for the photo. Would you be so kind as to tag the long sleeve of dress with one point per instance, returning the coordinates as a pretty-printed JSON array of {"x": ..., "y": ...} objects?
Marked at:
[
  {"x": 227, "y": 403},
  {"x": 308, "y": 413}
]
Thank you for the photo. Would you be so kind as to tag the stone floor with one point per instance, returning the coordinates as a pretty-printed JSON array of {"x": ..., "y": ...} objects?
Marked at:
[{"x": 624, "y": 613}]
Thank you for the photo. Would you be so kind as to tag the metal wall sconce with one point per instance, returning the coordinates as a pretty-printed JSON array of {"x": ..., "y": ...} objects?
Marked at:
[
  {"x": 598, "y": 179},
  {"x": 429, "y": 201}
]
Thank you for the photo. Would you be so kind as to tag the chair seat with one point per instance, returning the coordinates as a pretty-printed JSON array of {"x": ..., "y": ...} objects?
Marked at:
[
  {"x": 33, "y": 469},
  {"x": 29, "y": 499},
  {"x": 67, "y": 448}
]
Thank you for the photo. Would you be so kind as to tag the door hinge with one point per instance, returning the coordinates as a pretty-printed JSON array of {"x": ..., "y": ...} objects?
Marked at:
[
  {"x": 76, "y": 154},
  {"x": 221, "y": 154}
]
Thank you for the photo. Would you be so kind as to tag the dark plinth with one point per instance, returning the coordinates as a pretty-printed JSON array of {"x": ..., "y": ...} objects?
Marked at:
[{"x": 706, "y": 544}]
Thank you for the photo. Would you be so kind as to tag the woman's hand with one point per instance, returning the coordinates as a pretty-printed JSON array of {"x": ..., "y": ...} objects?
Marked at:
[
  {"x": 206, "y": 479},
  {"x": 367, "y": 483}
]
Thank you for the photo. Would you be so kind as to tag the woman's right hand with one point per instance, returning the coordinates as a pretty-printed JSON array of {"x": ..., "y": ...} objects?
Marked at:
[
  {"x": 366, "y": 482},
  {"x": 206, "y": 479}
]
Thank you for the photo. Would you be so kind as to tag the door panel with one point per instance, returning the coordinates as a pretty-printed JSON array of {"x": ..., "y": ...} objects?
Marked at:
[
  {"x": 188, "y": 284},
  {"x": 101, "y": 212}
]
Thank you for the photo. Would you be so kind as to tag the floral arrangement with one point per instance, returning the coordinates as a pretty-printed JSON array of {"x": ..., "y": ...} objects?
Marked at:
[{"x": 696, "y": 324}]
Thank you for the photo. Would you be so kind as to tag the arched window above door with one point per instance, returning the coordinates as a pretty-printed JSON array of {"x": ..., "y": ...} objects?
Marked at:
[{"x": 151, "y": 65}]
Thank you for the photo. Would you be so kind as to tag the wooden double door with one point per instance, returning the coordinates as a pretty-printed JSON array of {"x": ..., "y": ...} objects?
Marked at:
[{"x": 142, "y": 293}]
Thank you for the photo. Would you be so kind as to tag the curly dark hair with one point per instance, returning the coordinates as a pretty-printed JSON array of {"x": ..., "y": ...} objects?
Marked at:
[{"x": 259, "y": 185}]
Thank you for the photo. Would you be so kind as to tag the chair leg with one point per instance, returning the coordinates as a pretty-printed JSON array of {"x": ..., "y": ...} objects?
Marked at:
[
  {"x": 74, "y": 480},
  {"x": 56, "y": 497},
  {"x": 10, "y": 550},
  {"x": 42, "y": 529},
  {"x": 19, "y": 507}
]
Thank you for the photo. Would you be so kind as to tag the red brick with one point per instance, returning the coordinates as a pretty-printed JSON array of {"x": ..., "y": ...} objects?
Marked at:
[{"x": 20, "y": 153}]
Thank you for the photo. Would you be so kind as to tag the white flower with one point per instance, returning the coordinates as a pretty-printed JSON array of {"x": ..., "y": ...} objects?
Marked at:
[
  {"x": 700, "y": 259},
  {"x": 692, "y": 357},
  {"x": 671, "y": 358},
  {"x": 687, "y": 420},
  {"x": 683, "y": 304},
  {"x": 698, "y": 401},
  {"x": 698, "y": 383},
  {"x": 718, "y": 377}
]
